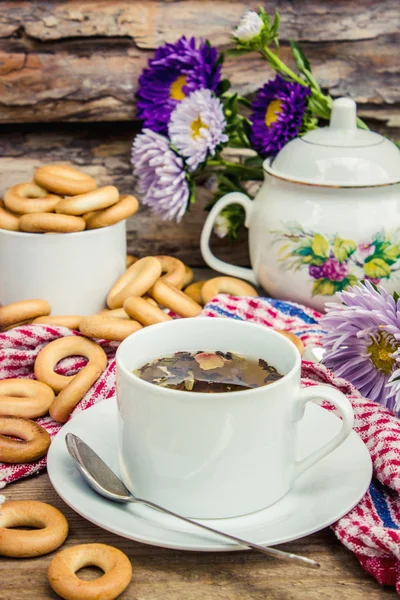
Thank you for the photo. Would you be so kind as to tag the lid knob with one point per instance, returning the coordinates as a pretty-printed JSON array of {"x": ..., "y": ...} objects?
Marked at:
[{"x": 344, "y": 114}]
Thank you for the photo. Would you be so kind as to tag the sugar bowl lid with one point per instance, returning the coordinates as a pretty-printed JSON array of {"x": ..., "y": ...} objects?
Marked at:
[{"x": 339, "y": 155}]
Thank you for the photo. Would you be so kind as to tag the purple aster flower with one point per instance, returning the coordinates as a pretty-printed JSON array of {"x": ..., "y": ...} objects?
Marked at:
[
  {"x": 277, "y": 115},
  {"x": 175, "y": 71},
  {"x": 196, "y": 127},
  {"x": 162, "y": 180},
  {"x": 363, "y": 342},
  {"x": 332, "y": 269}
]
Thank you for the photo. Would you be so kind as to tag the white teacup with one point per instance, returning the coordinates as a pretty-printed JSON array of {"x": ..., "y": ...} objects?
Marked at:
[{"x": 215, "y": 455}]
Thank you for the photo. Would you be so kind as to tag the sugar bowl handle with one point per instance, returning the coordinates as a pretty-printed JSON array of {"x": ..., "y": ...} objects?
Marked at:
[
  {"x": 214, "y": 262},
  {"x": 345, "y": 409}
]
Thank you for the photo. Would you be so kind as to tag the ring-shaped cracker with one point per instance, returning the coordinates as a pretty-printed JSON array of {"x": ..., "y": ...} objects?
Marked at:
[
  {"x": 8, "y": 219},
  {"x": 26, "y": 198},
  {"x": 167, "y": 295},
  {"x": 95, "y": 200},
  {"x": 55, "y": 351},
  {"x": 124, "y": 208},
  {"x": 25, "y": 398},
  {"x": 51, "y": 222},
  {"x": 70, "y": 321},
  {"x": 136, "y": 281},
  {"x": 194, "y": 291},
  {"x": 115, "y": 564},
  {"x": 22, "y": 311},
  {"x": 33, "y": 443},
  {"x": 108, "y": 327},
  {"x": 188, "y": 277},
  {"x": 73, "y": 393},
  {"x": 50, "y": 533},
  {"x": 226, "y": 285},
  {"x": 140, "y": 309},
  {"x": 173, "y": 270},
  {"x": 64, "y": 180}
]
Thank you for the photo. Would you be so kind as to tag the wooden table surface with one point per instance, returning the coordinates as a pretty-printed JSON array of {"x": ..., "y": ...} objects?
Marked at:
[{"x": 160, "y": 574}]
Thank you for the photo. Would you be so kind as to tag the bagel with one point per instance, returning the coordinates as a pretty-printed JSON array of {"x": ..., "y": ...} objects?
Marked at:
[
  {"x": 188, "y": 277},
  {"x": 124, "y": 208},
  {"x": 33, "y": 443},
  {"x": 50, "y": 533},
  {"x": 174, "y": 270},
  {"x": 116, "y": 313},
  {"x": 22, "y": 311},
  {"x": 293, "y": 338},
  {"x": 140, "y": 309},
  {"x": 8, "y": 219},
  {"x": 25, "y": 198},
  {"x": 115, "y": 564},
  {"x": 25, "y": 398},
  {"x": 51, "y": 222},
  {"x": 64, "y": 180},
  {"x": 108, "y": 327},
  {"x": 73, "y": 393},
  {"x": 194, "y": 291},
  {"x": 136, "y": 281},
  {"x": 226, "y": 285},
  {"x": 70, "y": 321},
  {"x": 83, "y": 203},
  {"x": 58, "y": 349},
  {"x": 130, "y": 260},
  {"x": 167, "y": 295}
]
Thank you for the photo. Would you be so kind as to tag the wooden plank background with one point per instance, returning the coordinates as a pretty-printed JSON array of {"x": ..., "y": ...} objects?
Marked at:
[{"x": 69, "y": 70}]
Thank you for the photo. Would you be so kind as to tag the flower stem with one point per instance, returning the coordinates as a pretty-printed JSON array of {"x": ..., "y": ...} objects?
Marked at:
[{"x": 255, "y": 173}]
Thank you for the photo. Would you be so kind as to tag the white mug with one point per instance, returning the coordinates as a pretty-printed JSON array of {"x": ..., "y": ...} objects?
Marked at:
[
  {"x": 215, "y": 455},
  {"x": 72, "y": 271}
]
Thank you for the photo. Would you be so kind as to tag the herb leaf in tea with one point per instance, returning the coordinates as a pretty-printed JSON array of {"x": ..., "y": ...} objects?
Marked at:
[{"x": 208, "y": 372}]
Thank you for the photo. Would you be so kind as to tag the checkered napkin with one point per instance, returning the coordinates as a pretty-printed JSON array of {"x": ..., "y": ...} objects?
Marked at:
[{"x": 370, "y": 530}]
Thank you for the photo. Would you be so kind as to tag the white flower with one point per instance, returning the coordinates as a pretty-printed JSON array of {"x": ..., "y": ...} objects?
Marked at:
[
  {"x": 250, "y": 26},
  {"x": 222, "y": 226},
  {"x": 196, "y": 127}
]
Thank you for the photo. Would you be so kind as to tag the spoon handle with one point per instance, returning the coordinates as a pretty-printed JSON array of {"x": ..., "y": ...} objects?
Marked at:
[{"x": 280, "y": 554}]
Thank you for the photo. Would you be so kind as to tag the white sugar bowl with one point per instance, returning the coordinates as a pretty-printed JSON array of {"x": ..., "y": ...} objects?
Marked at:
[{"x": 326, "y": 217}]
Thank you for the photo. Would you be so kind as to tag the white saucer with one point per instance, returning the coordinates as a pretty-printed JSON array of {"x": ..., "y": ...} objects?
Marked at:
[{"x": 319, "y": 497}]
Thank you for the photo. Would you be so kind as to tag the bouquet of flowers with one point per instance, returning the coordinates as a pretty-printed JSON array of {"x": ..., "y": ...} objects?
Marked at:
[{"x": 191, "y": 120}]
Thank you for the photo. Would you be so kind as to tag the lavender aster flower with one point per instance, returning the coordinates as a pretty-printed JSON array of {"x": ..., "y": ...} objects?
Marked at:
[
  {"x": 277, "y": 115},
  {"x": 363, "y": 342},
  {"x": 162, "y": 180},
  {"x": 196, "y": 127},
  {"x": 175, "y": 71}
]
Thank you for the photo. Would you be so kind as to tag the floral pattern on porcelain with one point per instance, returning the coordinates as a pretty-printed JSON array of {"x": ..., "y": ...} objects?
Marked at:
[{"x": 335, "y": 263}]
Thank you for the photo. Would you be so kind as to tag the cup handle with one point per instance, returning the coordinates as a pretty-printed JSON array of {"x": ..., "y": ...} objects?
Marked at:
[
  {"x": 346, "y": 412},
  {"x": 214, "y": 262}
]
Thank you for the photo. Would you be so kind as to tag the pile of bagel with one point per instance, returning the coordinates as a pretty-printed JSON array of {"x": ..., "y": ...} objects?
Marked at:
[
  {"x": 137, "y": 299},
  {"x": 49, "y": 532},
  {"x": 62, "y": 199}
]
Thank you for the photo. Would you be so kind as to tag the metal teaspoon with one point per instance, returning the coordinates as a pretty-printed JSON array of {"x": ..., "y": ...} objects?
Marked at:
[{"x": 105, "y": 482}]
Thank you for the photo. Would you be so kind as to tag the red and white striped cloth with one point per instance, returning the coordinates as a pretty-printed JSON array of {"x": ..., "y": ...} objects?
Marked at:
[{"x": 370, "y": 530}]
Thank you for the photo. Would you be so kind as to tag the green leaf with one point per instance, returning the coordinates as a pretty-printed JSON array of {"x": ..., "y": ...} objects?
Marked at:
[
  {"x": 348, "y": 281},
  {"x": 325, "y": 287},
  {"x": 300, "y": 58},
  {"x": 396, "y": 296},
  {"x": 377, "y": 268},
  {"x": 237, "y": 51},
  {"x": 391, "y": 254},
  {"x": 254, "y": 161},
  {"x": 342, "y": 249},
  {"x": 319, "y": 245},
  {"x": 223, "y": 86}
]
